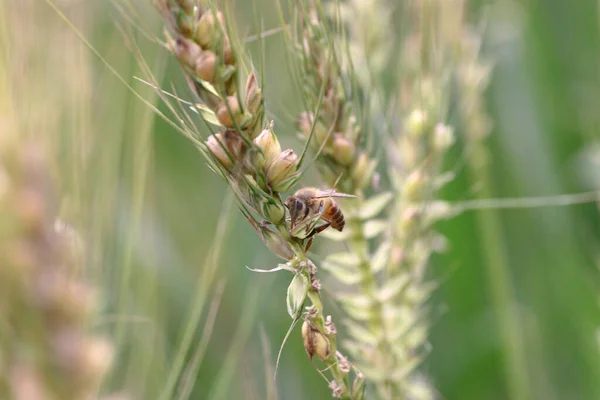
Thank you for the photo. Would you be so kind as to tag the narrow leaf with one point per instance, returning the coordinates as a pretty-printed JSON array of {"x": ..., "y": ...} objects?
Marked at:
[{"x": 287, "y": 335}]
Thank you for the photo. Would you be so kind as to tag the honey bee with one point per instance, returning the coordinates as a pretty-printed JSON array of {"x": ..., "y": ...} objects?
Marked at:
[{"x": 309, "y": 205}]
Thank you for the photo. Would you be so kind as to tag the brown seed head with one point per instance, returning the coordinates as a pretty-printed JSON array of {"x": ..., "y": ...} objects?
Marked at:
[
  {"x": 226, "y": 115},
  {"x": 315, "y": 343},
  {"x": 206, "y": 65},
  {"x": 253, "y": 94},
  {"x": 304, "y": 126},
  {"x": 223, "y": 143},
  {"x": 187, "y": 6},
  {"x": 228, "y": 55},
  {"x": 186, "y": 51}
]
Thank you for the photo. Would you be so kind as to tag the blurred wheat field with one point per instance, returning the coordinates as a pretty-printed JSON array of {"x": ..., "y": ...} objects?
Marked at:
[{"x": 167, "y": 249}]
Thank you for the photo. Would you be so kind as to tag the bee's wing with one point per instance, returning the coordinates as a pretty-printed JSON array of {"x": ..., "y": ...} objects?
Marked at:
[{"x": 322, "y": 194}]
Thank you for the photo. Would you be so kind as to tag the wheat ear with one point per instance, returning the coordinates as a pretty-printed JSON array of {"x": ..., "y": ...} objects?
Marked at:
[
  {"x": 429, "y": 72},
  {"x": 45, "y": 349},
  {"x": 246, "y": 153},
  {"x": 389, "y": 313}
]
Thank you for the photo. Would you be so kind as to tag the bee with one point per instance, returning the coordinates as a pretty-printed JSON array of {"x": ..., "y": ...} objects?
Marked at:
[{"x": 309, "y": 205}]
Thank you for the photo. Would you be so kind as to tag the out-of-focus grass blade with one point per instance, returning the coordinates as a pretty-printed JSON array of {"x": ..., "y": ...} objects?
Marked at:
[
  {"x": 222, "y": 386},
  {"x": 187, "y": 381},
  {"x": 202, "y": 289},
  {"x": 269, "y": 381}
]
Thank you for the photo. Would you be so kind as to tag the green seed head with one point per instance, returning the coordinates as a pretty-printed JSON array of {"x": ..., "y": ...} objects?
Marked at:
[
  {"x": 269, "y": 145},
  {"x": 416, "y": 123},
  {"x": 282, "y": 170},
  {"x": 206, "y": 29},
  {"x": 343, "y": 150}
]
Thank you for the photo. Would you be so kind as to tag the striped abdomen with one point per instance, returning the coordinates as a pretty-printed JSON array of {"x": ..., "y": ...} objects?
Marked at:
[{"x": 334, "y": 216}]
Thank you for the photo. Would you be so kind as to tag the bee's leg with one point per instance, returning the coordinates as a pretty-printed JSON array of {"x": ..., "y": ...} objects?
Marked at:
[
  {"x": 321, "y": 228},
  {"x": 310, "y": 242},
  {"x": 316, "y": 230}
]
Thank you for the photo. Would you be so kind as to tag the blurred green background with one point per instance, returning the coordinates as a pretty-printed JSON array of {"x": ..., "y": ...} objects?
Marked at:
[{"x": 168, "y": 244}]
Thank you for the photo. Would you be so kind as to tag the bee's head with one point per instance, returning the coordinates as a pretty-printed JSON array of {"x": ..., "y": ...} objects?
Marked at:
[
  {"x": 293, "y": 205},
  {"x": 290, "y": 203}
]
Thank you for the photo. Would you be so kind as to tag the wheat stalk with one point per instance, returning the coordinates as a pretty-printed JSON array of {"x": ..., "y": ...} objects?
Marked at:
[
  {"x": 246, "y": 153},
  {"x": 472, "y": 78}
]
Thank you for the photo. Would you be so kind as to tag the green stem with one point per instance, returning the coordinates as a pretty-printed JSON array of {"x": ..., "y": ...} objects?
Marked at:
[
  {"x": 318, "y": 320},
  {"x": 501, "y": 288}
]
